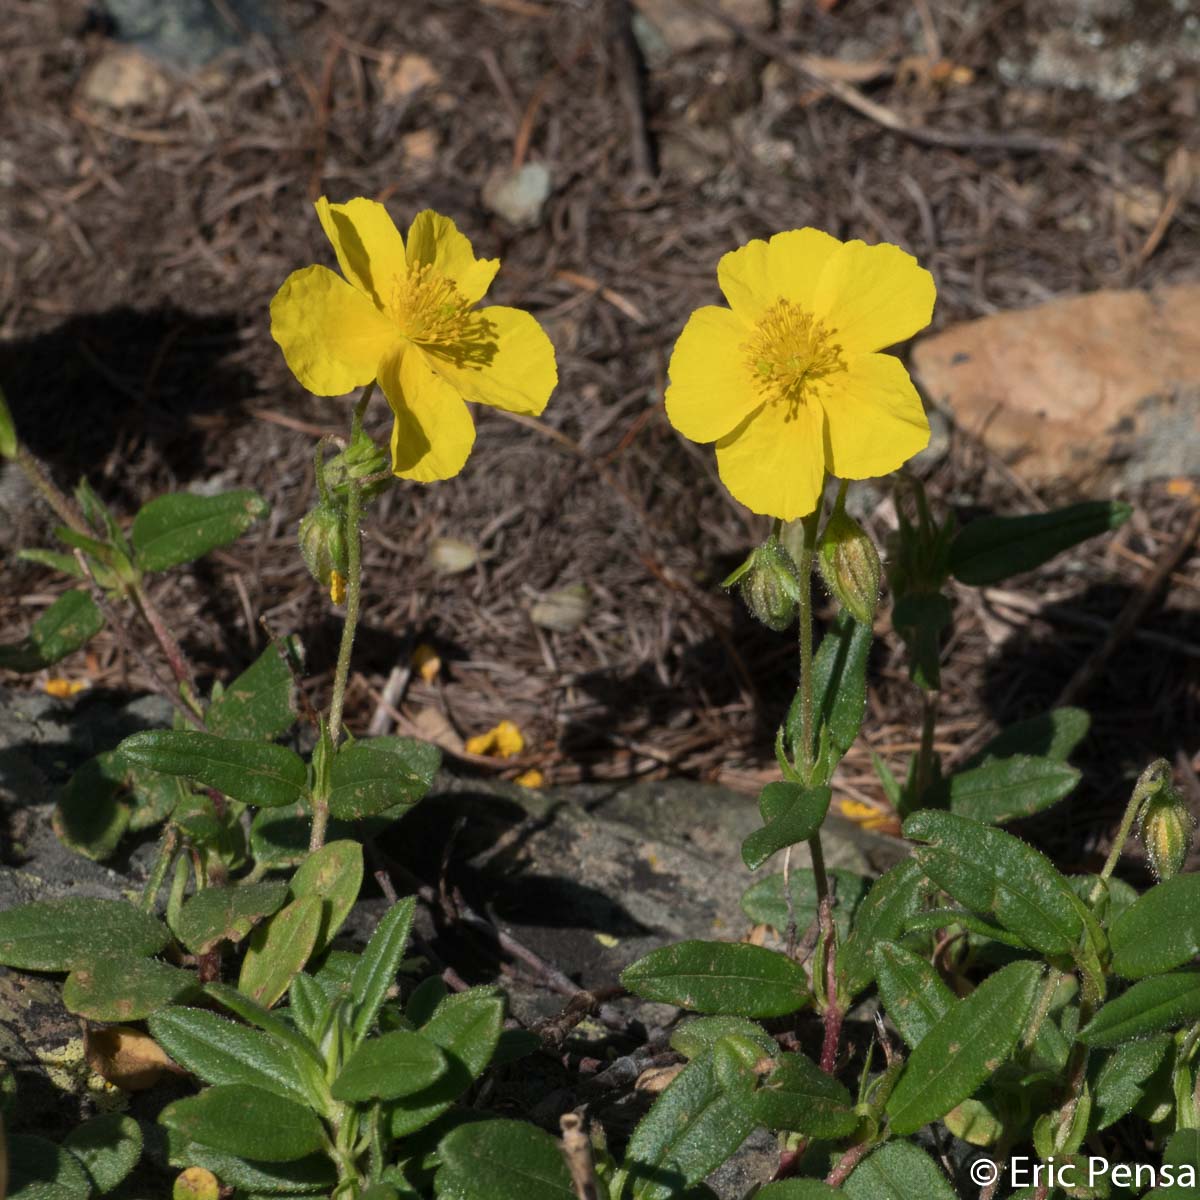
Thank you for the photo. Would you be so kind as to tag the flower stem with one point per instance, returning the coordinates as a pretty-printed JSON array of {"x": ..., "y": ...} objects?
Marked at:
[{"x": 804, "y": 564}]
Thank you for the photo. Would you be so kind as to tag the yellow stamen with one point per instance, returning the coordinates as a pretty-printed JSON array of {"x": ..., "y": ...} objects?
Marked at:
[
  {"x": 789, "y": 350},
  {"x": 429, "y": 308}
]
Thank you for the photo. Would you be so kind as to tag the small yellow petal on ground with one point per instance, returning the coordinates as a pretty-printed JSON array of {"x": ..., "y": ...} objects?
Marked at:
[
  {"x": 607, "y": 940},
  {"x": 533, "y": 778},
  {"x": 426, "y": 662},
  {"x": 502, "y": 741},
  {"x": 63, "y": 689}
]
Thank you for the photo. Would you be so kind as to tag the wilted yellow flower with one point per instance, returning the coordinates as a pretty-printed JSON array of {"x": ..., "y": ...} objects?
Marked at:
[
  {"x": 787, "y": 380},
  {"x": 426, "y": 662},
  {"x": 504, "y": 741},
  {"x": 405, "y": 315}
]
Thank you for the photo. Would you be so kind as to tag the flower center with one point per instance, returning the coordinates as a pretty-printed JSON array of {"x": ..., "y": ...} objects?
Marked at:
[
  {"x": 788, "y": 351},
  {"x": 429, "y": 308}
]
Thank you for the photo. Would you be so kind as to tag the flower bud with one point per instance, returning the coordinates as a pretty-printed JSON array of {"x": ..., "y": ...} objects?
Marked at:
[
  {"x": 323, "y": 542},
  {"x": 769, "y": 584},
  {"x": 849, "y": 564},
  {"x": 361, "y": 459},
  {"x": 1166, "y": 831}
]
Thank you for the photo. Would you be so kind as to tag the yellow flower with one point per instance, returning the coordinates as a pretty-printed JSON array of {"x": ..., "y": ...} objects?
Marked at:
[
  {"x": 786, "y": 380},
  {"x": 503, "y": 741},
  {"x": 405, "y": 314}
]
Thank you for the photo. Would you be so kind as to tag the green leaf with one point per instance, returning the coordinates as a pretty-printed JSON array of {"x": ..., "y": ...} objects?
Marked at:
[
  {"x": 502, "y": 1160},
  {"x": 964, "y": 1048},
  {"x": 125, "y": 987},
  {"x": 65, "y": 564},
  {"x": 267, "y": 1021},
  {"x": 1160, "y": 932},
  {"x": 89, "y": 817},
  {"x": 333, "y": 874},
  {"x": 699, "y": 1035},
  {"x": 279, "y": 948},
  {"x": 692, "y": 1128},
  {"x": 1007, "y": 788},
  {"x": 40, "y": 1170},
  {"x": 898, "y": 1171},
  {"x": 263, "y": 775},
  {"x": 764, "y": 902},
  {"x": 249, "y": 1122},
  {"x": 279, "y": 837},
  {"x": 991, "y": 549},
  {"x": 792, "y": 814},
  {"x": 720, "y": 977},
  {"x": 467, "y": 1031},
  {"x": 304, "y": 1176},
  {"x": 309, "y": 1005},
  {"x": 800, "y": 1098},
  {"x": 1117, "y": 1081},
  {"x": 894, "y": 899},
  {"x": 9, "y": 442},
  {"x": 839, "y": 693},
  {"x": 109, "y": 1147},
  {"x": 372, "y": 776},
  {"x": 220, "y": 1051},
  {"x": 182, "y": 527},
  {"x": 1182, "y": 1156},
  {"x": 70, "y": 622},
  {"x": 919, "y": 618},
  {"x": 391, "y": 1065},
  {"x": 989, "y": 871},
  {"x": 798, "y": 1189},
  {"x": 226, "y": 914},
  {"x": 914, "y": 994},
  {"x": 1054, "y": 734},
  {"x": 1161, "y": 1002},
  {"x": 261, "y": 701},
  {"x": 60, "y": 935},
  {"x": 376, "y": 969}
]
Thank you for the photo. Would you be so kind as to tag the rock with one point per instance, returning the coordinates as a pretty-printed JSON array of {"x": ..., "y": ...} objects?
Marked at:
[
  {"x": 1094, "y": 389},
  {"x": 518, "y": 196},
  {"x": 665, "y": 27},
  {"x": 188, "y": 32},
  {"x": 124, "y": 78},
  {"x": 402, "y": 76}
]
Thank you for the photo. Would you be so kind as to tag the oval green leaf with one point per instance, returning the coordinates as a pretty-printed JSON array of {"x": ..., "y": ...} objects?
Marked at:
[
  {"x": 60, "y": 935},
  {"x": 391, "y": 1065},
  {"x": 333, "y": 874},
  {"x": 125, "y": 987},
  {"x": 991, "y": 872},
  {"x": 376, "y": 969},
  {"x": 964, "y": 1048},
  {"x": 764, "y": 902},
  {"x": 372, "y": 776},
  {"x": 279, "y": 948},
  {"x": 502, "y": 1160},
  {"x": 1053, "y": 734},
  {"x": 90, "y": 818},
  {"x": 991, "y": 549},
  {"x": 261, "y": 701},
  {"x": 1160, "y": 932},
  {"x": 182, "y": 527},
  {"x": 731, "y": 978},
  {"x": 792, "y": 814},
  {"x": 885, "y": 913},
  {"x": 109, "y": 1147},
  {"x": 40, "y": 1170},
  {"x": 914, "y": 995},
  {"x": 69, "y": 623},
  {"x": 226, "y": 914},
  {"x": 1007, "y": 788},
  {"x": 249, "y": 1122},
  {"x": 800, "y": 1098},
  {"x": 263, "y": 775},
  {"x": 898, "y": 1171},
  {"x": 1150, "y": 1006}
]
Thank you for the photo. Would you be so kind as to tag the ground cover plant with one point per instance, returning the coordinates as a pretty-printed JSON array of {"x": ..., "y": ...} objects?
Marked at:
[{"x": 974, "y": 995}]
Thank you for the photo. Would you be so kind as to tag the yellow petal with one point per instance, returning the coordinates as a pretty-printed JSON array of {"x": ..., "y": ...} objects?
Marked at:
[
  {"x": 332, "y": 336},
  {"x": 774, "y": 461},
  {"x": 711, "y": 389},
  {"x": 503, "y": 741},
  {"x": 509, "y": 362},
  {"x": 873, "y": 296},
  {"x": 432, "y": 433},
  {"x": 873, "y": 417},
  {"x": 788, "y": 267},
  {"x": 367, "y": 243},
  {"x": 435, "y": 239}
]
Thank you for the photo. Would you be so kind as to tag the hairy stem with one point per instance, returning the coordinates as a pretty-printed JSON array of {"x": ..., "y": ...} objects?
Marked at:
[{"x": 64, "y": 507}]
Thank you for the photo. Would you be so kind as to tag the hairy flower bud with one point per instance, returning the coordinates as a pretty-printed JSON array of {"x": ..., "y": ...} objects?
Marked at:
[
  {"x": 769, "y": 584},
  {"x": 323, "y": 542},
  {"x": 1166, "y": 830},
  {"x": 361, "y": 459},
  {"x": 849, "y": 564}
]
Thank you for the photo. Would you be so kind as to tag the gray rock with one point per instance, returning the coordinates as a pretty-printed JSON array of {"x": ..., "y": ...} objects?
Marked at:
[{"x": 188, "y": 33}]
